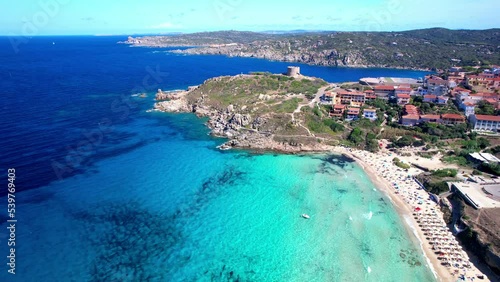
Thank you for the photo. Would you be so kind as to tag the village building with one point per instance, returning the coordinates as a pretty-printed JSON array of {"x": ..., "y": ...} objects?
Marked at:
[
  {"x": 450, "y": 119},
  {"x": 350, "y": 98},
  {"x": 410, "y": 120},
  {"x": 430, "y": 118},
  {"x": 384, "y": 92},
  {"x": 403, "y": 99},
  {"x": 370, "y": 114},
  {"x": 338, "y": 110},
  {"x": 353, "y": 113}
]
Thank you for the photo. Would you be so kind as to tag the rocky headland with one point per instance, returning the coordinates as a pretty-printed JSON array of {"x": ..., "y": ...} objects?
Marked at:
[{"x": 251, "y": 115}]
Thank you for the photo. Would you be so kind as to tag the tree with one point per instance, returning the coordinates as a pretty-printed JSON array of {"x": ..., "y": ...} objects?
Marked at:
[
  {"x": 484, "y": 108},
  {"x": 356, "y": 136},
  {"x": 404, "y": 141},
  {"x": 483, "y": 143},
  {"x": 418, "y": 99},
  {"x": 426, "y": 108},
  {"x": 336, "y": 127}
]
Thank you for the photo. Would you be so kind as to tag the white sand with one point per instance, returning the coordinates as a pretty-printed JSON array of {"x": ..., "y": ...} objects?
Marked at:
[{"x": 406, "y": 195}]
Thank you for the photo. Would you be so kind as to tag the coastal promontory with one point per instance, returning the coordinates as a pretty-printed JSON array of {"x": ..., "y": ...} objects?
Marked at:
[{"x": 259, "y": 111}]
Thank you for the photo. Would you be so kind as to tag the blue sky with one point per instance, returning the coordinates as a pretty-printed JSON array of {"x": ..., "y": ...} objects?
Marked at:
[{"x": 64, "y": 17}]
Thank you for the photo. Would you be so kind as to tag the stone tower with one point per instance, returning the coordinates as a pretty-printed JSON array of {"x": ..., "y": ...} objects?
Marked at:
[{"x": 293, "y": 71}]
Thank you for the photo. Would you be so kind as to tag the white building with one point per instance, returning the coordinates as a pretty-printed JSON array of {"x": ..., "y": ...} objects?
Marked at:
[{"x": 486, "y": 123}]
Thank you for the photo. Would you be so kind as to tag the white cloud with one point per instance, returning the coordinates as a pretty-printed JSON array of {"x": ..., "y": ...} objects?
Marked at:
[{"x": 165, "y": 25}]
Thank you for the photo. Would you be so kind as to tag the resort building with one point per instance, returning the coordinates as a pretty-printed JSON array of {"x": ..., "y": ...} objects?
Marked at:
[
  {"x": 350, "y": 98},
  {"x": 370, "y": 114},
  {"x": 485, "y": 123},
  {"x": 403, "y": 99},
  {"x": 452, "y": 119},
  {"x": 352, "y": 113}
]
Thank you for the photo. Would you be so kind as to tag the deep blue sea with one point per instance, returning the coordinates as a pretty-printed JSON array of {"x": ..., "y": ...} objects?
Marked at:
[{"x": 106, "y": 191}]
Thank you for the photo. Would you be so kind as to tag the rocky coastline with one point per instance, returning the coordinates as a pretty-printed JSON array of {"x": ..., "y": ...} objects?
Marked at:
[{"x": 330, "y": 58}]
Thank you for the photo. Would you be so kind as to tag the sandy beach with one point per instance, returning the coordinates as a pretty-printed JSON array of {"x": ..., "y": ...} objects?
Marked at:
[{"x": 422, "y": 216}]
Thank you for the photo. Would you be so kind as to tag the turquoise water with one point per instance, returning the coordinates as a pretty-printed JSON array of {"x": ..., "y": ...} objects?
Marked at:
[
  {"x": 178, "y": 210},
  {"x": 155, "y": 200}
]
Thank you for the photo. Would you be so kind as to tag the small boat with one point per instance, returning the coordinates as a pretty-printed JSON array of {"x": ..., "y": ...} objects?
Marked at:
[{"x": 306, "y": 216}]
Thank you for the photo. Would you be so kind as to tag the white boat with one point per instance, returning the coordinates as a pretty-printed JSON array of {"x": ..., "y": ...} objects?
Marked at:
[{"x": 306, "y": 216}]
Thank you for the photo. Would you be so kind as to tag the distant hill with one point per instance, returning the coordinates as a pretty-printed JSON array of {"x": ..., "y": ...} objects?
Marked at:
[{"x": 437, "y": 48}]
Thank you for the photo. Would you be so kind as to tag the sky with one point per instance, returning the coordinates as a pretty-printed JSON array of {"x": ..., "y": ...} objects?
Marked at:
[{"x": 110, "y": 17}]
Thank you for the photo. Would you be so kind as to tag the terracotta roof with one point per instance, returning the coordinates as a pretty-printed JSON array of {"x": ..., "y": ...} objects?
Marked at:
[
  {"x": 452, "y": 116},
  {"x": 430, "y": 96},
  {"x": 491, "y": 100},
  {"x": 488, "y": 118},
  {"x": 407, "y": 96},
  {"x": 339, "y": 107},
  {"x": 414, "y": 117},
  {"x": 469, "y": 104},
  {"x": 384, "y": 87},
  {"x": 370, "y": 110},
  {"x": 353, "y": 110},
  {"x": 430, "y": 116},
  {"x": 369, "y": 91}
]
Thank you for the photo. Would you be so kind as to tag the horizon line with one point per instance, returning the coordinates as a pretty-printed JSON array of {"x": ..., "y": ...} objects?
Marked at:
[{"x": 237, "y": 30}]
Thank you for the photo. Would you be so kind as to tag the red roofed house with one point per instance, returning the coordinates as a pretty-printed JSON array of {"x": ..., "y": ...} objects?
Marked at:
[
  {"x": 452, "y": 119},
  {"x": 459, "y": 90},
  {"x": 486, "y": 123},
  {"x": 338, "y": 110},
  {"x": 403, "y": 99},
  {"x": 430, "y": 118},
  {"x": 430, "y": 98},
  {"x": 411, "y": 110},
  {"x": 384, "y": 91}
]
